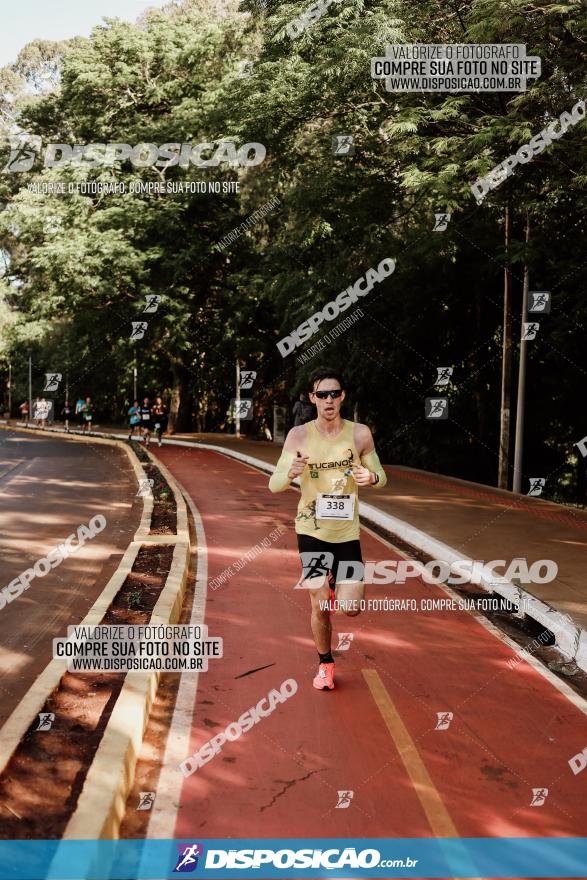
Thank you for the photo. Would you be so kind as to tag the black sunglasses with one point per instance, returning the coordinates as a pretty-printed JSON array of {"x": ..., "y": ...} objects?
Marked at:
[{"x": 323, "y": 395}]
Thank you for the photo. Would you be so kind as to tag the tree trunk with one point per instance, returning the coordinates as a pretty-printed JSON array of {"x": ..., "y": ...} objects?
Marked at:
[
  {"x": 179, "y": 410},
  {"x": 201, "y": 413},
  {"x": 480, "y": 473},
  {"x": 506, "y": 363}
]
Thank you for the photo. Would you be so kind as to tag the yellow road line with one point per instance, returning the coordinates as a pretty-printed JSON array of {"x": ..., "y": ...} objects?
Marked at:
[{"x": 428, "y": 795}]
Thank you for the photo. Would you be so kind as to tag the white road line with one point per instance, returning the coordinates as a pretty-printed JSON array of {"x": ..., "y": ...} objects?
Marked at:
[{"x": 164, "y": 811}]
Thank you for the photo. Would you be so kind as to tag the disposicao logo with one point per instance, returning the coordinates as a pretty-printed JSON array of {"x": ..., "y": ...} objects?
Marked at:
[
  {"x": 187, "y": 860},
  {"x": 331, "y": 310},
  {"x": 26, "y": 148}
]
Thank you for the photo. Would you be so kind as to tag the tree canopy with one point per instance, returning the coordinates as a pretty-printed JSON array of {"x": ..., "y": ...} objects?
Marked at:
[{"x": 77, "y": 267}]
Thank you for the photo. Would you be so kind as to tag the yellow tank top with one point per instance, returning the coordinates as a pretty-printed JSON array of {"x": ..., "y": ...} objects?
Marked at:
[{"x": 325, "y": 473}]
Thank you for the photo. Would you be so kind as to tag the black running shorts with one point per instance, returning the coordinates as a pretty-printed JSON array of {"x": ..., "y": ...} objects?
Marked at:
[{"x": 320, "y": 557}]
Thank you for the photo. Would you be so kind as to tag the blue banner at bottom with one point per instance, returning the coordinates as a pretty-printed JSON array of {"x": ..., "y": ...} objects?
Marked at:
[{"x": 554, "y": 857}]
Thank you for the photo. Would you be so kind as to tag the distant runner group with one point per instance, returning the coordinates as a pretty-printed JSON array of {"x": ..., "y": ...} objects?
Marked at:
[{"x": 145, "y": 419}]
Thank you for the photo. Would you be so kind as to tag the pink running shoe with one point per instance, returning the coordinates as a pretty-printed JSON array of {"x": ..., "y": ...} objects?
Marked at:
[{"x": 324, "y": 681}]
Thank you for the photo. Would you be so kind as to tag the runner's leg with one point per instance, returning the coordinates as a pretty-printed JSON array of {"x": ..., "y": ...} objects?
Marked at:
[
  {"x": 348, "y": 573},
  {"x": 320, "y": 619},
  {"x": 348, "y": 596}
]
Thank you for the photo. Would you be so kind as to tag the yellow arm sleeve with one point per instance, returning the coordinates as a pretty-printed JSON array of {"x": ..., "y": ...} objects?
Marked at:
[
  {"x": 372, "y": 463},
  {"x": 279, "y": 481}
]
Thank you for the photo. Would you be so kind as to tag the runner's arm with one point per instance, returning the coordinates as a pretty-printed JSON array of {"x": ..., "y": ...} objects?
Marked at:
[
  {"x": 370, "y": 460},
  {"x": 280, "y": 480},
  {"x": 368, "y": 456}
]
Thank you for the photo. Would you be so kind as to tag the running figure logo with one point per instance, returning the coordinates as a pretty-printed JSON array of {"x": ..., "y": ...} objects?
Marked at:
[
  {"x": 146, "y": 800},
  {"x": 337, "y": 484},
  {"x": 52, "y": 381},
  {"x": 138, "y": 330},
  {"x": 247, "y": 377},
  {"x": 444, "y": 719},
  {"x": 540, "y": 302},
  {"x": 344, "y": 799},
  {"x": 187, "y": 860},
  {"x": 46, "y": 720},
  {"x": 537, "y": 484},
  {"x": 344, "y": 641},
  {"x": 245, "y": 69},
  {"x": 441, "y": 222},
  {"x": 443, "y": 377},
  {"x": 530, "y": 330},
  {"x": 24, "y": 151},
  {"x": 343, "y": 145},
  {"x": 241, "y": 408},
  {"x": 436, "y": 408},
  {"x": 539, "y": 795},
  {"x": 145, "y": 488},
  {"x": 152, "y": 304},
  {"x": 315, "y": 565}
]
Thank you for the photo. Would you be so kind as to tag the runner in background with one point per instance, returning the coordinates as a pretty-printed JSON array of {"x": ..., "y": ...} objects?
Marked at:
[
  {"x": 87, "y": 414},
  {"x": 134, "y": 414},
  {"x": 146, "y": 421},
  {"x": 333, "y": 457},
  {"x": 160, "y": 419},
  {"x": 42, "y": 411},
  {"x": 78, "y": 411},
  {"x": 303, "y": 411},
  {"x": 66, "y": 413}
]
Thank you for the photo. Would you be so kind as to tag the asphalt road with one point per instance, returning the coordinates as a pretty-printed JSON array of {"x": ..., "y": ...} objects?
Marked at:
[{"x": 48, "y": 488}]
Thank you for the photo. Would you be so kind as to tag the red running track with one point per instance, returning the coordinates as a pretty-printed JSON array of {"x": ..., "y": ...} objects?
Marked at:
[{"x": 512, "y": 729}]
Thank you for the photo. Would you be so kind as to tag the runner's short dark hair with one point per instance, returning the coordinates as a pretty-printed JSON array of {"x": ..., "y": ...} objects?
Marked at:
[{"x": 325, "y": 373}]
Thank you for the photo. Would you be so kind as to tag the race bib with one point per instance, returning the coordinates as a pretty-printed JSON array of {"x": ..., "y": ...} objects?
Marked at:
[{"x": 335, "y": 506}]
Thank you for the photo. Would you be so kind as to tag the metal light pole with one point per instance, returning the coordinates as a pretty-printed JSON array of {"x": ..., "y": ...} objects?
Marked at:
[
  {"x": 521, "y": 403},
  {"x": 30, "y": 388},
  {"x": 506, "y": 362},
  {"x": 67, "y": 371},
  {"x": 237, "y": 417}
]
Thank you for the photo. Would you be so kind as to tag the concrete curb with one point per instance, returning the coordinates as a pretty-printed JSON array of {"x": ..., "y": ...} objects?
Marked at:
[
  {"x": 102, "y": 802},
  {"x": 570, "y": 639}
]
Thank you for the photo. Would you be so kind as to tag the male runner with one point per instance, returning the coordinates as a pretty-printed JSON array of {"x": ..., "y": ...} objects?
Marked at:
[
  {"x": 333, "y": 457},
  {"x": 146, "y": 423},
  {"x": 159, "y": 413},
  {"x": 87, "y": 415},
  {"x": 134, "y": 420}
]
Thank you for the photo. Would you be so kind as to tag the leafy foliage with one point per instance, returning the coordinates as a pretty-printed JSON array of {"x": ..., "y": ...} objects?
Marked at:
[{"x": 79, "y": 266}]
